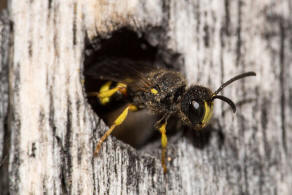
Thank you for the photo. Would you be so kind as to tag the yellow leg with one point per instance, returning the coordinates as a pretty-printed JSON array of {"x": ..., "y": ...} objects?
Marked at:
[
  {"x": 117, "y": 122},
  {"x": 105, "y": 92},
  {"x": 162, "y": 130}
]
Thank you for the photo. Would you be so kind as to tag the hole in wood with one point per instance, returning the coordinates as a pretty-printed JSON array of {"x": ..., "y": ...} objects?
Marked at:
[{"x": 109, "y": 53}]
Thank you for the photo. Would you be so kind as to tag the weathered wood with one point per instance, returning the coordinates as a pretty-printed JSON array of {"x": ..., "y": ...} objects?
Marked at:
[
  {"x": 4, "y": 141},
  {"x": 54, "y": 131},
  {"x": 4, "y": 37}
]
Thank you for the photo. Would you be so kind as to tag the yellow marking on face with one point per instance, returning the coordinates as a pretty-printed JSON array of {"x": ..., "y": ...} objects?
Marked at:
[
  {"x": 208, "y": 113},
  {"x": 154, "y": 91}
]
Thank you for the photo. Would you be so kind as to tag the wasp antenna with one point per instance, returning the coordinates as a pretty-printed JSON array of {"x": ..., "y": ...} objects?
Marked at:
[
  {"x": 246, "y": 74},
  {"x": 227, "y": 100}
]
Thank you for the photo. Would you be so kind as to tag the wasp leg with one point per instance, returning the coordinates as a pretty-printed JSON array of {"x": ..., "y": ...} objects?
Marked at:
[
  {"x": 162, "y": 130},
  {"x": 105, "y": 92},
  {"x": 117, "y": 122}
]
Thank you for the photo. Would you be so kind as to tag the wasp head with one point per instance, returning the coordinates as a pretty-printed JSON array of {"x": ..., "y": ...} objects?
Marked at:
[
  {"x": 197, "y": 106},
  {"x": 197, "y": 103}
]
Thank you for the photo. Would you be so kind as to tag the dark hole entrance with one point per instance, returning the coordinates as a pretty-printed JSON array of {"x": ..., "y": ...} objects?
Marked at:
[
  {"x": 138, "y": 129},
  {"x": 123, "y": 43}
]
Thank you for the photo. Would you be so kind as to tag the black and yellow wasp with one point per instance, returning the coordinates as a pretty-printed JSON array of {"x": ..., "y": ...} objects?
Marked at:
[{"x": 162, "y": 91}]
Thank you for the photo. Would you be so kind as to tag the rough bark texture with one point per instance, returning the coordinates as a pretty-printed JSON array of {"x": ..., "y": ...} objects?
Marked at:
[
  {"x": 54, "y": 131},
  {"x": 4, "y": 37},
  {"x": 4, "y": 140}
]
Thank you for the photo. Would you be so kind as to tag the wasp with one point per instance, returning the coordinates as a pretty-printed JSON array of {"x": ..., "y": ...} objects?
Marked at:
[{"x": 162, "y": 91}]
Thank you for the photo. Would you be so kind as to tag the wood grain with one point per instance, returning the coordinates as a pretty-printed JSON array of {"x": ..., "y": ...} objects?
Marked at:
[{"x": 53, "y": 130}]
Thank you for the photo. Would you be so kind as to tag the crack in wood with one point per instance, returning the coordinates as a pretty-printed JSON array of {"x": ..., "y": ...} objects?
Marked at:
[{"x": 282, "y": 82}]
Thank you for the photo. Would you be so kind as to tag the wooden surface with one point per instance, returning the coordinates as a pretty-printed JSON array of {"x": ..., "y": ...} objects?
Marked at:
[
  {"x": 53, "y": 130},
  {"x": 4, "y": 138}
]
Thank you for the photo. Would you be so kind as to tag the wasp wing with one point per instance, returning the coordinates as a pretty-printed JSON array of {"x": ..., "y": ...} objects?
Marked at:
[{"x": 134, "y": 74}]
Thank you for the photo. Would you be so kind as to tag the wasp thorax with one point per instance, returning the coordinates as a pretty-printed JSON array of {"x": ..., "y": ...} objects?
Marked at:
[{"x": 197, "y": 106}]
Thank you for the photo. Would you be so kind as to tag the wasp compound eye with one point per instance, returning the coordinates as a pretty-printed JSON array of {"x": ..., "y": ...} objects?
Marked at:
[
  {"x": 196, "y": 112},
  {"x": 195, "y": 106}
]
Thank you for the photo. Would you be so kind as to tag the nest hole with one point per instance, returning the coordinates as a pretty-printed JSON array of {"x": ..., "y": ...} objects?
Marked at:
[{"x": 137, "y": 130}]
